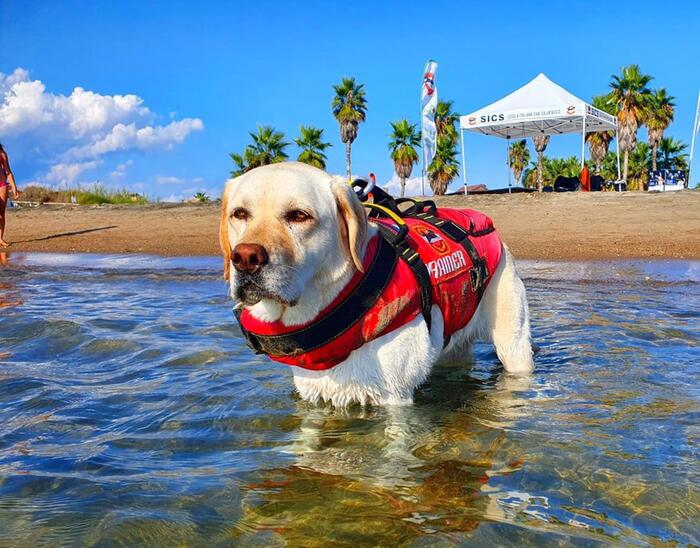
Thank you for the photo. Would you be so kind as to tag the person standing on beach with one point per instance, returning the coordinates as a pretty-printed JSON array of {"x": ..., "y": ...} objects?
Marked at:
[{"x": 7, "y": 180}]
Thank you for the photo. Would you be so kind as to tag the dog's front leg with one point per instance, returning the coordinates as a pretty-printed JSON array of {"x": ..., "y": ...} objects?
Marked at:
[{"x": 385, "y": 371}]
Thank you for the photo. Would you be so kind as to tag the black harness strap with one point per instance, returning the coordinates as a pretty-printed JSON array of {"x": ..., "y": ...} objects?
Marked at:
[
  {"x": 479, "y": 272},
  {"x": 338, "y": 320},
  {"x": 420, "y": 271},
  {"x": 391, "y": 247}
]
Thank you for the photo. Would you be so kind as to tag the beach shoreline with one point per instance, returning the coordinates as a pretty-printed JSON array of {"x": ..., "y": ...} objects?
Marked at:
[{"x": 566, "y": 226}]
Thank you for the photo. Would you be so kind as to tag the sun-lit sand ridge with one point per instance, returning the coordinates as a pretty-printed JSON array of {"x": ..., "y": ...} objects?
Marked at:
[{"x": 548, "y": 226}]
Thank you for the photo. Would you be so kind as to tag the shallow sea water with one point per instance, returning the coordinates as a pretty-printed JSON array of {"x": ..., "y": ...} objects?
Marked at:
[{"x": 131, "y": 413}]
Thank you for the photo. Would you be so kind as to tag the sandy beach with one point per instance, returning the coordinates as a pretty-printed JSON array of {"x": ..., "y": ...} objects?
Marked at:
[{"x": 547, "y": 226}]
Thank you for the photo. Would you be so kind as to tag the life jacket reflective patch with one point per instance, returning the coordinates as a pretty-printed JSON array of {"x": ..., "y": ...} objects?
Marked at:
[
  {"x": 451, "y": 269},
  {"x": 448, "y": 265},
  {"x": 433, "y": 238}
]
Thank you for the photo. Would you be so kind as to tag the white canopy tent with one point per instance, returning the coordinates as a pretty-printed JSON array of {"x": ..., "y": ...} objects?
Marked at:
[{"x": 540, "y": 107}]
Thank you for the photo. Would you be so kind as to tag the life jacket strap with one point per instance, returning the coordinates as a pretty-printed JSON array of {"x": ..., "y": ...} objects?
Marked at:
[
  {"x": 479, "y": 273},
  {"x": 341, "y": 318},
  {"x": 420, "y": 271}
]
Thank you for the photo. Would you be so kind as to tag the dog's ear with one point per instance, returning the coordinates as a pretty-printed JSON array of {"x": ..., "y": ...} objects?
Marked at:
[
  {"x": 353, "y": 218},
  {"x": 223, "y": 234}
]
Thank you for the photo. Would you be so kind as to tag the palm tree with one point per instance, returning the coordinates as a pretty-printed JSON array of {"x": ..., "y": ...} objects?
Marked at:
[
  {"x": 672, "y": 156},
  {"x": 202, "y": 197},
  {"x": 446, "y": 120},
  {"x": 530, "y": 174},
  {"x": 349, "y": 108},
  {"x": 659, "y": 117},
  {"x": 540, "y": 142},
  {"x": 405, "y": 138},
  {"x": 566, "y": 167},
  {"x": 242, "y": 161},
  {"x": 551, "y": 168},
  {"x": 444, "y": 167},
  {"x": 630, "y": 96},
  {"x": 639, "y": 165},
  {"x": 518, "y": 157},
  {"x": 310, "y": 141},
  {"x": 599, "y": 142},
  {"x": 267, "y": 148}
]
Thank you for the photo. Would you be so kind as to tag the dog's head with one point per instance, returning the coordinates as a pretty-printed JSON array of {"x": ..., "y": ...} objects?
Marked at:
[{"x": 285, "y": 226}]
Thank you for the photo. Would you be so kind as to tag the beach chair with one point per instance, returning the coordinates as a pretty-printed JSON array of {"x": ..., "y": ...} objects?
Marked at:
[
  {"x": 674, "y": 179},
  {"x": 656, "y": 180},
  {"x": 566, "y": 184},
  {"x": 597, "y": 183}
]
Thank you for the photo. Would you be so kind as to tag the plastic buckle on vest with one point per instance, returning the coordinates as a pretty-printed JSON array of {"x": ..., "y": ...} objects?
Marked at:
[
  {"x": 251, "y": 340},
  {"x": 478, "y": 274}
]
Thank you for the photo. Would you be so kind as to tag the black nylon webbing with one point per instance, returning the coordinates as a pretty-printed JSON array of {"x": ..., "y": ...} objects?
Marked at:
[
  {"x": 420, "y": 271},
  {"x": 338, "y": 320},
  {"x": 479, "y": 272}
]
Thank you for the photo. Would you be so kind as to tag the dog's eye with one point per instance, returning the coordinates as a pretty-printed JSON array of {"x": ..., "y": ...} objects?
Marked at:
[
  {"x": 240, "y": 214},
  {"x": 297, "y": 216}
]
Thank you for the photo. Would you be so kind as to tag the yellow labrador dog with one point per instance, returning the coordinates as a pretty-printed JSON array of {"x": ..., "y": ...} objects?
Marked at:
[{"x": 293, "y": 236}]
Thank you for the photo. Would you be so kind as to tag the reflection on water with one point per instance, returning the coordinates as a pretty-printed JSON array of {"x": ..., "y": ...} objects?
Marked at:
[{"x": 132, "y": 413}]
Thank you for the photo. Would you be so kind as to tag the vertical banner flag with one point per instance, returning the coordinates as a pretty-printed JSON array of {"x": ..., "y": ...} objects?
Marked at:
[{"x": 428, "y": 101}]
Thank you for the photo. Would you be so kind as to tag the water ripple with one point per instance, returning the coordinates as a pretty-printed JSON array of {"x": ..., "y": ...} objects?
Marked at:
[{"x": 133, "y": 414}]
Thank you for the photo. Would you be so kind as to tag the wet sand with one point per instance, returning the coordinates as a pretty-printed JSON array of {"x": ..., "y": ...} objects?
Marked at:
[{"x": 535, "y": 226}]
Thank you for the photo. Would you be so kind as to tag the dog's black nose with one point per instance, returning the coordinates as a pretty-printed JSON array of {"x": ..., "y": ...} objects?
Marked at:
[{"x": 249, "y": 257}]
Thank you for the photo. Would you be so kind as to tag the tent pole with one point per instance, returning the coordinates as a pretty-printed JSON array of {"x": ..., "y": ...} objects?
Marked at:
[
  {"x": 617, "y": 151},
  {"x": 583, "y": 143},
  {"x": 508, "y": 162},
  {"x": 464, "y": 162}
]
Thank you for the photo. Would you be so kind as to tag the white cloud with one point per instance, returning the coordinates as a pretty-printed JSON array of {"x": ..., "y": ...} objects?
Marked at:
[
  {"x": 120, "y": 170},
  {"x": 170, "y": 180},
  {"x": 188, "y": 194},
  {"x": 71, "y": 132},
  {"x": 66, "y": 173},
  {"x": 123, "y": 137},
  {"x": 413, "y": 186}
]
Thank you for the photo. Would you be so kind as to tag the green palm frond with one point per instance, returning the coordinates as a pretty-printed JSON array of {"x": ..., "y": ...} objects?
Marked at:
[
  {"x": 660, "y": 111},
  {"x": 349, "y": 106},
  {"x": 672, "y": 155},
  {"x": 405, "y": 138},
  {"x": 446, "y": 120},
  {"x": 599, "y": 141},
  {"x": 312, "y": 146},
  {"x": 445, "y": 166},
  {"x": 349, "y": 102},
  {"x": 268, "y": 147},
  {"x": 518, "y": 157}
]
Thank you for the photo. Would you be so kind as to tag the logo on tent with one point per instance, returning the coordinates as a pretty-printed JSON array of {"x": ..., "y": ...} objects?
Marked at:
[
  {"x": 571, "y": 109},
  {"x": 472, "y": 120}
]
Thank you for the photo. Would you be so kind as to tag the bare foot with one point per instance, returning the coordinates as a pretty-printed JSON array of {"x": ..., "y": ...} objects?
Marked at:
[{"x": 3, "y": 243}]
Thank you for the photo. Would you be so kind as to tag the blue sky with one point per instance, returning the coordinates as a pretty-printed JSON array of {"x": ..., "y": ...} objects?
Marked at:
[{"x": 207, "y": 73}]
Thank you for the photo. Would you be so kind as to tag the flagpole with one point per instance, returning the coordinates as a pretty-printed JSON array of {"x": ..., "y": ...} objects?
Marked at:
[{"x": 696, "y": 126}]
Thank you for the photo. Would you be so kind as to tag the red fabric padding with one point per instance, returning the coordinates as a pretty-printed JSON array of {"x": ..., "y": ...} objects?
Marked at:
[{"x": 448, "y": 264}]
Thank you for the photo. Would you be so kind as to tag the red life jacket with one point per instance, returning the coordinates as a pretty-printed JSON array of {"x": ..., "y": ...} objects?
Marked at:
[{"x": 457, "y": 284}]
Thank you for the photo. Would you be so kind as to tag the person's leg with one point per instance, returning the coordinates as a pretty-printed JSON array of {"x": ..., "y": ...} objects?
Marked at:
[{"x": 4, "y": 190}]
